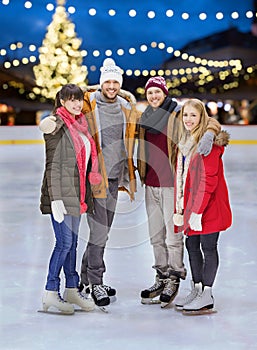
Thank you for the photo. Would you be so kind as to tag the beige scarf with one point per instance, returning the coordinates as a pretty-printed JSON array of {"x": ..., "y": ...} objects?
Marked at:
[{"x": 186, "y": 147}]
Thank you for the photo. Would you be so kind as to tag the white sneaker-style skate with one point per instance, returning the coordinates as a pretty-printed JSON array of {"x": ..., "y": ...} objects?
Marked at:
[
  {"x": 148, "y": 295},
  {"x": 171, "y": 286},
  {"x": 196, "y": 288},
  {"x": 54, "y": 304},
  {"x": 202, "y": 304},
  {"x": 73, "y": 296}
]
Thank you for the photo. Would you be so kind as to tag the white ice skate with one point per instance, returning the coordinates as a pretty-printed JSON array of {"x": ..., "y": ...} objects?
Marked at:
[
  {"x": 201, "y": 305},
  {"x": 54, "y": 304},
  {"x": 196, "y": 288},
  {"x": 73, "y": 296}
]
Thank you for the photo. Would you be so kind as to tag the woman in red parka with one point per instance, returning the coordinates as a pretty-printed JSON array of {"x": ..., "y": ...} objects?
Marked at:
[{"x": 202, "y": 206}]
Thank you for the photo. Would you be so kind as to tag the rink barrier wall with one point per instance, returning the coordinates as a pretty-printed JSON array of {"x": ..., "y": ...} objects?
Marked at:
[
  {"x": 29, "y": 135},
  {"x": 21, "y": 142}
]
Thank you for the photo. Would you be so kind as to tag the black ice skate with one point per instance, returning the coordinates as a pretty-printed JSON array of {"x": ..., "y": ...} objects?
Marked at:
[
  {"x": 148, "y": 295},
  {"x": 111, "y": 292},
  {"x": 100, "y": 296},
  {"x": 171, "y": 286}
]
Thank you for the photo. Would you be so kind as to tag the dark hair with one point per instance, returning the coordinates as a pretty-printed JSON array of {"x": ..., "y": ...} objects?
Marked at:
[{"x": 68, "y": 92}]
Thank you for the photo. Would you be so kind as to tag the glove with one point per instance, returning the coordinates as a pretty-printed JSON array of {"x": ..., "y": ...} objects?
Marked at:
[
  {"x": 195, "y": 222},
  {"x": 58, "y": 210},
  {"x": 48, "y": 125},
  {"x": 205, "y": 144},
  {"x": 178, "y": 219}
]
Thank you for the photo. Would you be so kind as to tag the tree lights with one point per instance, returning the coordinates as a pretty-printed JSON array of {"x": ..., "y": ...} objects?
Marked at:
[{"x": 60, "y": 61}]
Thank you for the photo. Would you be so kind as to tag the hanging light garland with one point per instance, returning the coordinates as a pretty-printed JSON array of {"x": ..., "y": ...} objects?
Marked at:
[
  {"x": 108, "y": 52},
  {"x": 169, "y": 13},
  {"x": 179, "y": 76},
  {"x": 151, "y": 14}
]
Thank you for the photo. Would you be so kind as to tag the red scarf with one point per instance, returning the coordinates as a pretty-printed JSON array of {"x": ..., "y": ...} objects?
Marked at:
[{"x": 76, "y": 125}]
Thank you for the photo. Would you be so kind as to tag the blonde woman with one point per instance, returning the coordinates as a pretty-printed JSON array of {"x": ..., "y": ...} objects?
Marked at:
[{"x": 202, "y": 206}]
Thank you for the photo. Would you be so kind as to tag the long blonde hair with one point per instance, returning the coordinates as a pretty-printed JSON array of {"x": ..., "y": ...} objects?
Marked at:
[{"x": 201, "y": 128}]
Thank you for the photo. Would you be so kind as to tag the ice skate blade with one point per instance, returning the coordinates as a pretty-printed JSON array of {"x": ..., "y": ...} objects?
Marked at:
[
  {"x": 165, "y": 305},
  {"x": 149, "y": 301},
  {"x": 199, "y": 312},
  {"x": 59, "y": 313},
  {"x": 83, "y": 310},
  {"x": 103, "y": 309},
  {"x": 179, "y": 308}
]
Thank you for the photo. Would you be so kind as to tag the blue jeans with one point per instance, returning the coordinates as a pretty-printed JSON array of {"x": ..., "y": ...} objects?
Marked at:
[{"x": 64, "y": 254}]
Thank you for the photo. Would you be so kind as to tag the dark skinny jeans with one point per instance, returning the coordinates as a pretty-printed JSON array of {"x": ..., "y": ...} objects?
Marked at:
[{"x": 203, "y": 257}]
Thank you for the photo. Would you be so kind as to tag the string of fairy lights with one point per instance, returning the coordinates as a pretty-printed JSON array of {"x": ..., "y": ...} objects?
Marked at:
[
  {"x": 179, "y": 76},
  {"x": 206, "y": 69},
  {"x": 143, "y": 48},
  {"x": 151, "y": 14}
]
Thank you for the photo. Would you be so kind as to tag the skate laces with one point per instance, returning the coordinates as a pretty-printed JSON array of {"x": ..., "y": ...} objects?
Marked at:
[
  {"x": 60, "y": 299},
  {"x": 107, "y": 288},
  {"x": 155, "y": 286},
  {"x": 191, "y": 296},
  {"x": 170, "y": 286},
  {"x": 81, "y": 296},
  {"x": 99, "y": 291}
]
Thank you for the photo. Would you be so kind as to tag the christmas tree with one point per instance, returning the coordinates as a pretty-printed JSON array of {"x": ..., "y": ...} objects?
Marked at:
[{"x": 60, "y": 61}]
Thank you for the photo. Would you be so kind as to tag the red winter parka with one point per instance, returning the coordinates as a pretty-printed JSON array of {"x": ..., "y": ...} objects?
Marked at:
[{"x": 206, "y": 193}]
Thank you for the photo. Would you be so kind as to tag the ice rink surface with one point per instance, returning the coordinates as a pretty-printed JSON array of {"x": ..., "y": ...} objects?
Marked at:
[{"x": 27, "y": 241}]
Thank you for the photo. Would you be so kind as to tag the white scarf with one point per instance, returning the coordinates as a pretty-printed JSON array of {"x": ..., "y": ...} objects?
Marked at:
[{"x": 186, "y": 147}]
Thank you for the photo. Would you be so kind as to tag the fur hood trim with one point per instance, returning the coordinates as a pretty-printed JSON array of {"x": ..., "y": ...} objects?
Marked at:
[{"x": 222, "y": 139}]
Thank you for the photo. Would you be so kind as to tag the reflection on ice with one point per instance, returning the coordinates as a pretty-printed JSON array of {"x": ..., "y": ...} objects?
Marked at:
[{"x": 27, "y": 239}]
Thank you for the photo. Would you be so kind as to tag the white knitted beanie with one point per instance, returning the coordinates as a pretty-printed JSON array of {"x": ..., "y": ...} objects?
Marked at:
[{"x": 109, "y": 71}]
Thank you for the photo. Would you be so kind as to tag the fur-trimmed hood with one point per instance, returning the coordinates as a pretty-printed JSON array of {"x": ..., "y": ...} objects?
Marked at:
[{"x": 222, "y": 139}]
